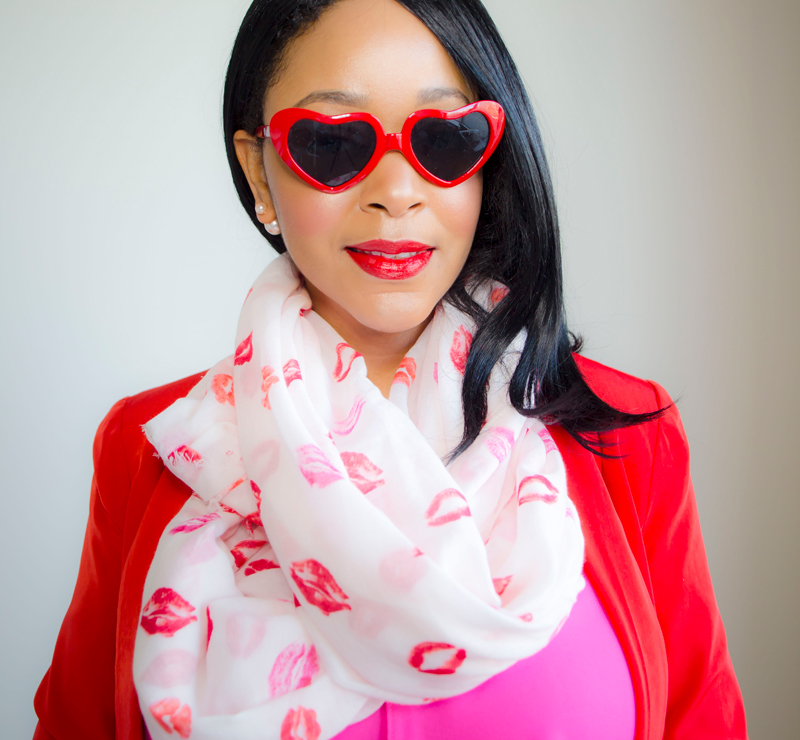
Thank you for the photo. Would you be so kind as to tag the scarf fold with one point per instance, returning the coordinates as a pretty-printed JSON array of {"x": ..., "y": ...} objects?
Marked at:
[{"x": 328, "y": 560}]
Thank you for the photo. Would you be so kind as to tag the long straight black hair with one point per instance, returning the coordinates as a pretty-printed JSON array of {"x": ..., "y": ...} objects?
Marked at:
[{"x": 516, "y": 240}]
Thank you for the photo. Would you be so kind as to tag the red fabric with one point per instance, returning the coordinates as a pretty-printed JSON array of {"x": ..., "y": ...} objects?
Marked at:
[{"x": 644, "y": 557}]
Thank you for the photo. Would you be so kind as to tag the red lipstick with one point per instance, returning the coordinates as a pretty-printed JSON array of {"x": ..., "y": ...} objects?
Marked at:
[{"x": 390, "y": 260}]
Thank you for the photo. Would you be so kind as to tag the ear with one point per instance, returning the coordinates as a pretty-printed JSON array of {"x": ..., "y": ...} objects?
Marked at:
[{"x": 250, "y": 156}]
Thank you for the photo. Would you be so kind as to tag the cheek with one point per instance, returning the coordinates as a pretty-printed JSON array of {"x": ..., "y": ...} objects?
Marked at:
[{"x": 458, "y": 208}]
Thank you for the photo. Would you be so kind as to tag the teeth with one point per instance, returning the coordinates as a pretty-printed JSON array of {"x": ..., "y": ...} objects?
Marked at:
[{"x": 401, "y": 256}]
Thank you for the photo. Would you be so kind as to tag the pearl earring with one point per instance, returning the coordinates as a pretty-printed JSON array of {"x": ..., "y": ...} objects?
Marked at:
[
  {"x": 273, "y": 228},
  {"x": 260, "y": 208}
]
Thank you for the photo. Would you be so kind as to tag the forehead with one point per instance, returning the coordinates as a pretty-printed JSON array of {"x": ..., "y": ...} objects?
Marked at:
[{"x": 378, "y": 53}]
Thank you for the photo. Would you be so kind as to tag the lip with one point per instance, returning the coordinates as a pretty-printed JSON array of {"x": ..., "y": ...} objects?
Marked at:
[
  {"x": 166, "y": 612},
  {"x": 319, "y": 587},
  {"x": 384, "y": 265},
  {"x": 445, "y": 507}
]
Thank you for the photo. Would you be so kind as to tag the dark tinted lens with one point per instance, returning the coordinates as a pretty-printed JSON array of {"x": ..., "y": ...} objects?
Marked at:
[
  {"x": 331, "y": 153},
  {"x": 447, "y": 149}
]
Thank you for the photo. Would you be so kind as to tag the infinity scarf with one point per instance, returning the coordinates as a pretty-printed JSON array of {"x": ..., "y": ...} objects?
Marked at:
[{"x": 328, "y": 560}]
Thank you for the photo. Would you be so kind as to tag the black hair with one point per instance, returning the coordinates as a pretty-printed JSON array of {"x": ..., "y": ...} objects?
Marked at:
[{"x": 516, "y": 241}]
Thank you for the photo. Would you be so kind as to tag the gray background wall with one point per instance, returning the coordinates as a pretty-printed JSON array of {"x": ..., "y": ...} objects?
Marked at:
[{"x": 672, "y": 133}]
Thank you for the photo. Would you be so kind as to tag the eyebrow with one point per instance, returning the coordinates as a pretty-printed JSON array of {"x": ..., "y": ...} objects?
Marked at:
[{"x": 355, "y": 100}]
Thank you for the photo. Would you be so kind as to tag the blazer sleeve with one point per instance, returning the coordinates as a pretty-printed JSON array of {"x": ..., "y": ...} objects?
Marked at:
[
  {"x": 704, "y": 699},
  {"x": 76, "y": 696}
]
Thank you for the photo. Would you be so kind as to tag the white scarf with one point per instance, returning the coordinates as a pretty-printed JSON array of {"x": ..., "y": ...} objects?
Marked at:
[{"x": 328, "y": 560}]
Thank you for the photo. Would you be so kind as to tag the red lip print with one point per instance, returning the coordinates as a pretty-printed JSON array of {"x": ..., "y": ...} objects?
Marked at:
[
  {"x": 497, "y": 295},
  {"x": 530, "y": 482},
  {"x": 244, "y": 352},
  {"x": 315, "y": 467},
  {"x": 172, "y": 716},
  {"x": 300, "y": 724},
  {"x": 291, "y": 371},
  {"x": 192, "y": 524},
  {"x": 187, "y": 453},
  {"x": 222, "y": 385},
  {"x": 459, "y": 350},
  {"x": 239, "y": 557},
  {"x": 166, "y": 613},
  {"x": 362, "y": 471},
  {"x": 449, "y": 498},
  {"x": 406, "y": 372},
  {"x": 501, "y": 584},
  {"x": 347, "y": 425},
  {"x": 500, "y": 442},
  {"x": 210, "y": 627},
  {"x": 340, "y": 371},
  {"x": 439, "y": 658},
  {"x": 293, "y": 669},
  {"x": 549, "y": 442},
  {"x": 269, "y": 379},
  {"x": 319, "y": 587},
  {"x": 258, "y": 565}
]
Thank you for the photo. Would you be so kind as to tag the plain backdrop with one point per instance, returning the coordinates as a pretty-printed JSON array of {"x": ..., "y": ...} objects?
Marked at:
[{"x": 672, "y": 134}]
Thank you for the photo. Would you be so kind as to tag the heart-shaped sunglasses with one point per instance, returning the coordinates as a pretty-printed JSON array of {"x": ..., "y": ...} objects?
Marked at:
[{"x": 333, "y": 153}]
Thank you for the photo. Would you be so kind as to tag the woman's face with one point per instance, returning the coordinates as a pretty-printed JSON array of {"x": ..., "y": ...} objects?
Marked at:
[{"x": 373, "y": 56}]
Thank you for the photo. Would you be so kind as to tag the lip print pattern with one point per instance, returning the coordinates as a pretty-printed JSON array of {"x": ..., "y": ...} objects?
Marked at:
[
  {"x": 244, "y": 633},
  {"x": 500, "y": 442},
  {"x": 347, "y": 425},
  {"x": 403, "y": 568},
  {"x": 436, "y": 372},
  {"x": 244, "y": 352},
  {"x": 294, "y": 668},
  {"x": 171, "y": 668},
  {"x": 258, "y": 565},
  {"x": 185, "y": 453},
  {"x": 222, "y": 385},
  {"x": 407, "y": 372},
  {"x": 239, "y": 557},
  {"x": 315, "y": 467},
  {"x": 268, "y": 379},
  {"x": 172, "y": 716},
  {"x": 449, "y": 501},
  {"x": 300, "y": 724},
  {"x": 497, "y": 295},
  {"x": 530, "y": 482},
  {"x": 549, "y": 442},
  {"x": 459, "y": 349},
  {"x": 501, "y": 584},
  {"x": 210, "y": 626},
  {"x": 340, "y": 371},
  {"x": 438, "y": 658},
  {"x": 319, "y": 587},
  {"x": 364, "y": 474},
  {"x": 166, "y": 612},
  {"x": 192, "y": 524},
  {"x": 291, "y": 372}
]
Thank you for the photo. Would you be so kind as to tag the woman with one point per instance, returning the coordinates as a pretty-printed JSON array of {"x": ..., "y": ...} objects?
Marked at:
[{"x": 358, "y": 526}]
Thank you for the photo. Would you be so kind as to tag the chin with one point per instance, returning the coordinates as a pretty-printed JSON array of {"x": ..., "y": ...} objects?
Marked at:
[{"x": 393, "y": 316}]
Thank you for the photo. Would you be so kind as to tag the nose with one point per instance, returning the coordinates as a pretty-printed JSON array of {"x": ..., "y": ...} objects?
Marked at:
[{"x": 394, "y": 187}]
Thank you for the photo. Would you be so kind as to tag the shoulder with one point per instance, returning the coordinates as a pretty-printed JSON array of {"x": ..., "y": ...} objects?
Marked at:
[{"x": 620, "y": 390}]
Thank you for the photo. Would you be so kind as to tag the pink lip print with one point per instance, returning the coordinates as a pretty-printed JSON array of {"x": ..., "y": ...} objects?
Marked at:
[
  {"x": 166, "y": 613},
  {"x": 451, "y": 499},
  {"x": 222, "y": 385},
  {"x": 436, "y": 372},
  {"x": 319, "y": 587},
  {"x": 171, "y": 668},
  {"x": 501, "y": 584},
  {"x": 244, "y": 633},
  {"x": 293, "y": 669},
  {"x": 315, "y": 467},
  {"x": 530, "y": 482},
  {"x": 269, "y": 379},
  {"x": 192, "y": 524},
  {"x": 497, "y": 295},
  {"x": 549, "y": 442},
  {"x": 459, "y": 350},
  {"x": 500, "y": 442},
  {"x": 258, "y": 565},
  {"x": 300, "y": 724},
  {"x": 439, "y": 658},
  {"x": 406, "y": 372},
  {"x": 362, "y": 471},
  {"x": 239, "y": 557},
  {"x": 244, "y": 352},
  {"x": 172, "y": 716},
  {"x": 187, "y": 453},
  {"x": 340, "y": 371},
  {"x": 210, "y": 627},
  {"x": 291, "y": 371},
  {"x": 347, "y": 425}
]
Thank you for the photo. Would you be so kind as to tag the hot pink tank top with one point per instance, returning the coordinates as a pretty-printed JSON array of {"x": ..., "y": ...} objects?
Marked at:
[{"x": 578, "y": 687}]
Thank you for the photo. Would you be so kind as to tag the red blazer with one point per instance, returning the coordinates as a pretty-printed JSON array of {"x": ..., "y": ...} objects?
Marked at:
[{"x": 644, "y": 557}]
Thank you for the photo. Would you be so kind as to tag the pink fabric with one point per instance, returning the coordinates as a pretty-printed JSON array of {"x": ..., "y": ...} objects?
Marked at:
[{"x": 578, "y": 687}]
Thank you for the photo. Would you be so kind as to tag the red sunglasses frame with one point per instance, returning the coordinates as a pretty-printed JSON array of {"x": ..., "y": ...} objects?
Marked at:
[{"x": 278, "y": 130}]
